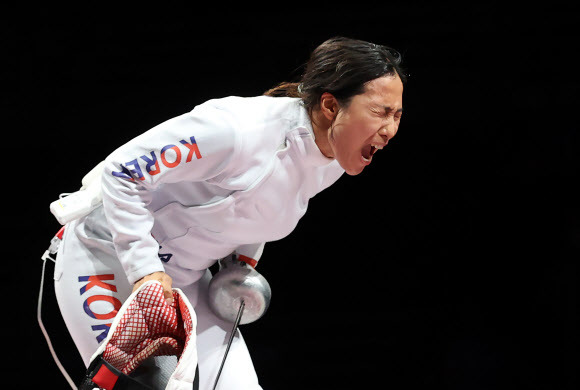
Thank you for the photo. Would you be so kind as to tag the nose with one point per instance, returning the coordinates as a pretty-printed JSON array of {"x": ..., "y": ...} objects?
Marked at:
[{"x": 389, "y": 130}]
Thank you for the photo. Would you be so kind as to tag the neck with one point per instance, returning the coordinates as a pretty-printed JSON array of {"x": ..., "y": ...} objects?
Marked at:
[{"x": 321, "y": 128}]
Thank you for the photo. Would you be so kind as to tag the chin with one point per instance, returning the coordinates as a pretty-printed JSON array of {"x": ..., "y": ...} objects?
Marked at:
[
  {"x": 353, "y": 171},
  {"x": 350, "y": 166}
]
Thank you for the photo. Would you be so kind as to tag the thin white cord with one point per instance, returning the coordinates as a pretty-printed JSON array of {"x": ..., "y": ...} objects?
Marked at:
[{"x": 53, "y": 353}]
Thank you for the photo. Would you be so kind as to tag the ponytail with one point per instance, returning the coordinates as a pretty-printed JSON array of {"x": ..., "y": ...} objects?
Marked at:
[{"x": 284, "y": 89}]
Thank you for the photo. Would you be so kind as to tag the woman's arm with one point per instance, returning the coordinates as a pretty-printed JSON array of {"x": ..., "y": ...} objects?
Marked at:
[{"x": 196, "y": 146}]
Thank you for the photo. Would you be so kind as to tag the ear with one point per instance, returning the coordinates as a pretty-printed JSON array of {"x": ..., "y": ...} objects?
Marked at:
[{"x": 328, "y": 106}]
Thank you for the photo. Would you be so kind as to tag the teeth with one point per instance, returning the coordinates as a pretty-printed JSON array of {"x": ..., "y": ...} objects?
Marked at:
[{"x": 377, "y": 146}]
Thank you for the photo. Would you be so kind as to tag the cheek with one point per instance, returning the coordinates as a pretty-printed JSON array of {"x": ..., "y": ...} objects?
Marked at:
[
  {"x": 346, "y": 136},
  {"x": 352, "y": 131}
]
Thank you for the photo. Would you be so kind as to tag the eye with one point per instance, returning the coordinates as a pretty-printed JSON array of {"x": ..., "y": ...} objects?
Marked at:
[{"x": 377, "y": 112}]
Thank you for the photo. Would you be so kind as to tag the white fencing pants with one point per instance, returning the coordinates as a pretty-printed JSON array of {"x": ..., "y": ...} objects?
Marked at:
[{"x": 91, "y": 286}]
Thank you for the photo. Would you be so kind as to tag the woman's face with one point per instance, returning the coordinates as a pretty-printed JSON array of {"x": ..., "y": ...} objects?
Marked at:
[{"x": 367, "y": 124}]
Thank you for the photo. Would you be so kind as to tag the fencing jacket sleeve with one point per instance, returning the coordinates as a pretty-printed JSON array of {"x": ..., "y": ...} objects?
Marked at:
[{"x": 195, "y": 146}]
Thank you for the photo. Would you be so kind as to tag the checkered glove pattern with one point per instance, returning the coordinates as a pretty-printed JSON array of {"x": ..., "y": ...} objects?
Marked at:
[{"x": 149, "y": 327}]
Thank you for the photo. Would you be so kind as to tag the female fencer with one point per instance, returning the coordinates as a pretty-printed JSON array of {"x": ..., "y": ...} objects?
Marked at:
[{"x": 223, "y": 179}]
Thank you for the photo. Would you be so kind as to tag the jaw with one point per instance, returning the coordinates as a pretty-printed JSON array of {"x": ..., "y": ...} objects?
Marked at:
[
  {"x": 353, "y": 164},
  {"x": 352, "y": 172}
]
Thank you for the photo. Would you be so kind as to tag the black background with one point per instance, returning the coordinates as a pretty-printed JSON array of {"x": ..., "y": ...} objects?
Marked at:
[{"x": 450, "y": 262}]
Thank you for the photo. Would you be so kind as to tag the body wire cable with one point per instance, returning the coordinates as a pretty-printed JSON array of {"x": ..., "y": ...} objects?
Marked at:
[{"x": 46, "y": 256}]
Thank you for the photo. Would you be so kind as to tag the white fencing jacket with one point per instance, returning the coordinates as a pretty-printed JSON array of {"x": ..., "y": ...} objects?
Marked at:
[{"x": 226, "y": 177}]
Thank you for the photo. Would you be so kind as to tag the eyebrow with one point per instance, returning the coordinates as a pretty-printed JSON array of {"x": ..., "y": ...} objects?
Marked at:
[{"x": 390, "y": 109}]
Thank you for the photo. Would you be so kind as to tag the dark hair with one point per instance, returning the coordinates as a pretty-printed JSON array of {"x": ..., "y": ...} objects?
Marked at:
[{"x": 341, "y": 66}]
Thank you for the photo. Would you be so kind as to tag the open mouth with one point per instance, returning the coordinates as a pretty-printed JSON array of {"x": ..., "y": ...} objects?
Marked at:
[{"x": 367, "y": 152}]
